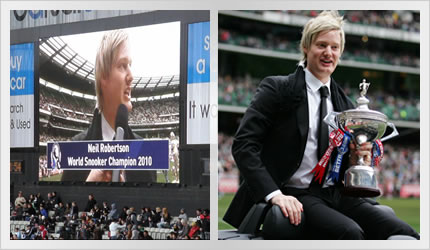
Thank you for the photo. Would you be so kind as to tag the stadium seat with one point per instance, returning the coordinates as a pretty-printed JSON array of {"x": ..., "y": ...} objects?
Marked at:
[{"x": 163, "y": 236}]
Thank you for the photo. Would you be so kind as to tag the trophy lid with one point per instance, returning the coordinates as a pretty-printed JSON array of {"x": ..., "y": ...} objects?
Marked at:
[{"x": 362, "y": 101}]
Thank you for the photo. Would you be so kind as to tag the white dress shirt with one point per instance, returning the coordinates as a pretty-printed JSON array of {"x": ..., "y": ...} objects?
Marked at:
[
  {"x": 107, "y": 131},
  {"x": 303, "y": 177}
]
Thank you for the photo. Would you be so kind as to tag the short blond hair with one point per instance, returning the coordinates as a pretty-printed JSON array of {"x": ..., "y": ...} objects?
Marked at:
[
  {"x": 106, "y": 55},
  {"x": 325, "y": 21}
]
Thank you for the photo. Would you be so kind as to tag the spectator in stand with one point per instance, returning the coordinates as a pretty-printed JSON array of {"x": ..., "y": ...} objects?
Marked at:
[
  {"x": 83, "y": 233},
  {"x": 195, "y": 228},
  {"x": 198, "y": 213},
  {"x": 74, "y": 210},
  {"x": 105, "y": 207},
  {"x": 90, "y": 203},
  {"x": 60, "y": 211},
  {"x": 98, "y": 232},
  {"x": 30, "y": 211},
  {"x": 49, "y": 202},
  {"x": 43, "y": 211},
  {"x": 96, "y": 213},
  {"x": 157, "y": 216},
  {"x": 42, "y": 233},
  {"x": 131, "y": 216},
  {"x": 67, "y": 208},
  {"x": 134, "y": 233},
  {"x": 56, "y": 198},
  {"x": 113, "y": 214},
  {"x": 146, "y": 213},
  {"x": 165, "y": 219},
  {"x": 172, "y": 236},
  {"x": 205, "y": 219},
  {"x": 185, "y": 229},
  {"x": 146, "y": 236},
  {"x": 28, "y": 232},
  {"x": 182, "y": 214},
  {"x": 114, "y": 226},
  {"x": 20, "y": 200},
  {"x": 38, "y": 200},
  {"x": 123, "y": 214}
]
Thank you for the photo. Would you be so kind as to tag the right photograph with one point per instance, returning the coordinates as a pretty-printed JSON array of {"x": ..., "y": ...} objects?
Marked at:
[{"x": 319, "y": 125}]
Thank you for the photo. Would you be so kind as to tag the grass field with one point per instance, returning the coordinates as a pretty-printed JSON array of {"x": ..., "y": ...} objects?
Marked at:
[{"x": 407, "y": 210}]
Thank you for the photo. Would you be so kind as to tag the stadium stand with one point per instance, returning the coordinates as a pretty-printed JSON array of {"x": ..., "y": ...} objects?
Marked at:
[
  {"x": 239, "y": 92},
  {"x": 28, "y": 222}
]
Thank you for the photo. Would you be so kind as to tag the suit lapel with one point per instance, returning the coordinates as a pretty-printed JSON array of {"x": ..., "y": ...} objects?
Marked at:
[{"x": 302, "y": 111}]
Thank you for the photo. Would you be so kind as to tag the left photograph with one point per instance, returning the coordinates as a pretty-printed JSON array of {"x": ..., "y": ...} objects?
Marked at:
[{"x": 109, "y": 138}]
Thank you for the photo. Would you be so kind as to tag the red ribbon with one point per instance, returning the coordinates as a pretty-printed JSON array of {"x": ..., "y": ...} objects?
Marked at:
[{"x": 336, "y": 138}]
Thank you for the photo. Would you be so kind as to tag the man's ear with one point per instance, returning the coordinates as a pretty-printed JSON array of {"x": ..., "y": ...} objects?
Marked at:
[
  {"x": 305, "y": 50},
  {"x": 103, "y": 82}
]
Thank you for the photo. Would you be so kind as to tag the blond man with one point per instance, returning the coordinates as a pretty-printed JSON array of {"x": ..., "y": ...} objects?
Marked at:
[
  {"x": 113, "y": 87},
  {"x": 280, "y": 141}
]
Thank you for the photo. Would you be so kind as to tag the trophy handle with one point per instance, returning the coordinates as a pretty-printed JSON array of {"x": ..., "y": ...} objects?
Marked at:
[
  {"x": 393, "y": 134},
  {"x": 330, "y": 119}
]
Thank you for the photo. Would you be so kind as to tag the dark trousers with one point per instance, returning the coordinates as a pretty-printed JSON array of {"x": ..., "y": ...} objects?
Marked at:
[{"x": 331, "y": 215}]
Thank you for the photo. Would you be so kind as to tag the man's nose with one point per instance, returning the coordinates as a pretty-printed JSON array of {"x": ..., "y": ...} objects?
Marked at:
[
  {"x": 327, "y": 50},
  {"x": 129, "y": 77}
]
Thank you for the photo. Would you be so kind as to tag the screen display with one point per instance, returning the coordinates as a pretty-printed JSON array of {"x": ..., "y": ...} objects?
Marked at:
[{"x": 68, "y": 102}]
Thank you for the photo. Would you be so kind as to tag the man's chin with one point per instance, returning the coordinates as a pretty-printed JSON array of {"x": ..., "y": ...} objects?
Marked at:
[{"x": 129, "y": 106}]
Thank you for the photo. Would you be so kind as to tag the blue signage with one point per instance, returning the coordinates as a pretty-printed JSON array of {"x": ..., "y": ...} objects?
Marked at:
[
  {"x": 198, "y": 67},
  {"x": 22, "y": 69},
  {"x": 108, "y": 155}
]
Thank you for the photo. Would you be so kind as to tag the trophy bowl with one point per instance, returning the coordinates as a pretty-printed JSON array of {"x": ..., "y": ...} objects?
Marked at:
[{"x": 363, "y": 125}]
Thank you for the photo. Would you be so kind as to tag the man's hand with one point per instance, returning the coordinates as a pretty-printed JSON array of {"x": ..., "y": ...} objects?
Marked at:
[
  {"x": 365, "y": 150},
  {"x": 97, "y": 175},
  {"x": 290, "y": 207}
]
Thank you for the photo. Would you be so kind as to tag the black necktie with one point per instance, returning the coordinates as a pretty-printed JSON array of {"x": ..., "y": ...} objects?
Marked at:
[{"x": 323, "y": 128}]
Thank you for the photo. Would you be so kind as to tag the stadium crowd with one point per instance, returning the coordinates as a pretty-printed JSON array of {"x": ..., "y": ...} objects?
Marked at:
[
  {"x": 284, "y": 43},
  {"x": 393, "y": 19},
  {"x": 239, "y": 92},
  {"x": 164, "y": 110},
  {"x": 66, "y": 106},
  {"x": 400, "y": 165},
  {"x": 51, "y": 218}
]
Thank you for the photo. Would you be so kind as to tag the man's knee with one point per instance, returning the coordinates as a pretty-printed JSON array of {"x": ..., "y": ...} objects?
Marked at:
[{"x": 351, "y": 231}]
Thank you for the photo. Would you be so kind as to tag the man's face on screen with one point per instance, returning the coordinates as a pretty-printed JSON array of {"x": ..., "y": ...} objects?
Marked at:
[{"x": 116, "y": 88}]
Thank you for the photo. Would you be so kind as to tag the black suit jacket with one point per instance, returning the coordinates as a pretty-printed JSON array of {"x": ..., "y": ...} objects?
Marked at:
[
  {"x": 94, "y": 132},
  {"x": 269, "y": 145}
]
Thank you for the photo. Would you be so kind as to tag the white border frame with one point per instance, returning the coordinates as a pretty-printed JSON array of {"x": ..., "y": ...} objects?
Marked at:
[{"x": 214, "y": 6}]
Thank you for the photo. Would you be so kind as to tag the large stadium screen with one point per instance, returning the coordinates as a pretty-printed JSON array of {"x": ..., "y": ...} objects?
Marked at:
[{"x": 81, "y": 143}]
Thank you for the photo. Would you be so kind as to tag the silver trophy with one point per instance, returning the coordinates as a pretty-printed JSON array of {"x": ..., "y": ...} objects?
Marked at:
[{"x": 364, "y": 125}]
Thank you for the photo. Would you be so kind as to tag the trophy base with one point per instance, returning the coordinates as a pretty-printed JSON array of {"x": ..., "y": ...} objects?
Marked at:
[
  {"x": 361, "y": 192},
  {"x": 360, "y": 181}
]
